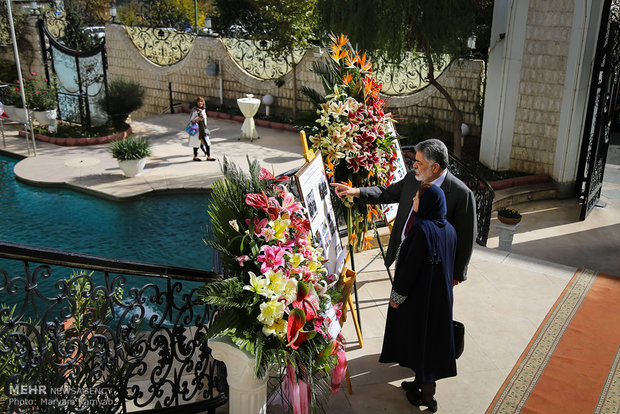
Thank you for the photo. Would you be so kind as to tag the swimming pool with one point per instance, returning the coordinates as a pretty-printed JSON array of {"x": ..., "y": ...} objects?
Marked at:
[
  {"x": 166, "y": 229},
  {"x": 163, "y": 229}
]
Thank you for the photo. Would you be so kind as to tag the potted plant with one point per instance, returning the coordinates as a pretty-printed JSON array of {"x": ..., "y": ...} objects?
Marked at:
[
  {"x": 123, "y": 97},
  {"x": 131, "y": 154},
  {"x": 12, "y": 103},
  {"x": 40, "y": 97},
  {"x": 508, "y": 215}
]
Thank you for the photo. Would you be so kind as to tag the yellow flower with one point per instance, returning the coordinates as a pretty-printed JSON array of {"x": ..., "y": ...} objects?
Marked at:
[
  {"x": 276, "y": 282},
  {"x": 278, "y": 328},
  {"x": 280, "y": 227},
  {"x": 258, "y": 285},
  {"x": 290, "y": 290},
  {"x": 270, "y": 311},
  {"x": 297, "y": 259}
]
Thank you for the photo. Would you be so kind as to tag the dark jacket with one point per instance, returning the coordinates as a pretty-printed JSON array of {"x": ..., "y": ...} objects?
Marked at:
[{"x": 461, "y": 206}]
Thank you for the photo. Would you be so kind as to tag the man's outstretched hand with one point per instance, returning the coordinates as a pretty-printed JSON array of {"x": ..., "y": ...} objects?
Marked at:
[{"x": 343, "y": 190}]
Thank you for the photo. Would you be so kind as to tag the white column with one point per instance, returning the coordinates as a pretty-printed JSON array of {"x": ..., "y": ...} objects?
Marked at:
[
  {"x": 248, "y": 394},
  {"x": 503, "y": 80},
  {"x": 581, "y": 53}
]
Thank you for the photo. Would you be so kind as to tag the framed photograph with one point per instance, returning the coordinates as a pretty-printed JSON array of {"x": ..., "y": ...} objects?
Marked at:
[
  {"x": 311, "y": 205},
  {"x": 314, "y": 192},
  {"x": 323, "y": 189}
]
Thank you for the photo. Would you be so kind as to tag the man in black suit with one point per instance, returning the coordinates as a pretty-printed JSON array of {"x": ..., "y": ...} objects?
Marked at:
[{"x": 431, "y": 165}]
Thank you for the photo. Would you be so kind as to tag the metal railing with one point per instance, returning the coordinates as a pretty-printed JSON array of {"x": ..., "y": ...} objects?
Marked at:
[{"x": 85, "y": 333}]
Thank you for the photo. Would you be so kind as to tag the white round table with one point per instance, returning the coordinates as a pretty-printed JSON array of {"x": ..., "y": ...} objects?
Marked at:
[{"x": 249, "y": 107}]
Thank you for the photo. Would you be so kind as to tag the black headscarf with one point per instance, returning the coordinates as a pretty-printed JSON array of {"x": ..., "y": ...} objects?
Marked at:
[{"x": 431, "y": 218}]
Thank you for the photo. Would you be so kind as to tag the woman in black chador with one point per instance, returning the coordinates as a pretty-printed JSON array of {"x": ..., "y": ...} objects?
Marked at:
[{"x": 419, "y": 332}]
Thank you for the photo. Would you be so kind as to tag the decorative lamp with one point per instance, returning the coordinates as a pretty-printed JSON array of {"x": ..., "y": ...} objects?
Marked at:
[{"x": 113, "y": 12}]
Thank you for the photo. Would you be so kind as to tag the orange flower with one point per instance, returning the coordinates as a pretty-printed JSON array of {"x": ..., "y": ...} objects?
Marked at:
[
  {"x": 347, "y": 78},
  {"x": 353, "y": 239},
  {"x": 337, "y": 47},
  {"x": 330, "y": 169},
  {"x": 366, "y": 243},
  {"x": 363, "y": 63}
]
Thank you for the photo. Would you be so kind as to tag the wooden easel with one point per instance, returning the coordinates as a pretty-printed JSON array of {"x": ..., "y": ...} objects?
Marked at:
[{"x": 347, "y": 281}]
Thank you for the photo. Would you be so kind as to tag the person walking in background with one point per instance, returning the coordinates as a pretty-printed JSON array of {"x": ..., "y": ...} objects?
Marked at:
[
  {"x": 418, "y": 331},
  {"x": 431, "y": 163},
  {"x": 199, "y": 116}
]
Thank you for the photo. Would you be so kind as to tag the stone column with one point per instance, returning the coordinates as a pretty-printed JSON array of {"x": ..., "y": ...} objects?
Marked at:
[{"x": 248, "y": 394}]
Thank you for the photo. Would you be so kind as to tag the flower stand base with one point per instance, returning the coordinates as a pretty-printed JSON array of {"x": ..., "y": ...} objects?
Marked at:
[
  {"x": 506, "y": 233},
  {"x": 248, "y": 394}
]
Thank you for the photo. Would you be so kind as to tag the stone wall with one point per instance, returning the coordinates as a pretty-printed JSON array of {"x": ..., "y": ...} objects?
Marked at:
[
  {"x": 188, "y": 79},
  {"x": 543, "y": 73}
]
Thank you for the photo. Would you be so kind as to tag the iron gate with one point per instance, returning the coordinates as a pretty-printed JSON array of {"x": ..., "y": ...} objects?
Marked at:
[
  {"x": 601, "y": 107},
  {"x": 81, "y": 77}
]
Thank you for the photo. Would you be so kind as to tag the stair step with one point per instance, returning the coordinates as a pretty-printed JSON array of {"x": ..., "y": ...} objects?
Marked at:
[{"x": 521, "y": 194}]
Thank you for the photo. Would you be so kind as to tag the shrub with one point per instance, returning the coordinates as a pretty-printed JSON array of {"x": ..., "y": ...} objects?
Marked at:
[
  {"x": 11, "y": 96},
  {"x": 124, "y": 96},
  {"x": 40, "y": 92},
  {"x": 130, "y": 148}
]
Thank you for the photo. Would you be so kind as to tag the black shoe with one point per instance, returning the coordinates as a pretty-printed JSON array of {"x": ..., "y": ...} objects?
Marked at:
[
  {"x": 197, "y": 159},
  {"x": 409, "y": 386},
  {"x": 431, "y": 405}
]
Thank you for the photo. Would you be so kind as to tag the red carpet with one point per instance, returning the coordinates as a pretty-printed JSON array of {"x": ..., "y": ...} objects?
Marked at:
[{"x": 572, "y": 365}]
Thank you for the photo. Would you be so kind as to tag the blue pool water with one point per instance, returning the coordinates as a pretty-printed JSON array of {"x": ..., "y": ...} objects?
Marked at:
[{"x": 166, "y": 229}]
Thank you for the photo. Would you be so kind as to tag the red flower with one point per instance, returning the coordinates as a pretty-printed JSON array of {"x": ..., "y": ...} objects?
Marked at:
[
  {"x": 294, "y": 333},
  {"x": 306, "y": 301}
]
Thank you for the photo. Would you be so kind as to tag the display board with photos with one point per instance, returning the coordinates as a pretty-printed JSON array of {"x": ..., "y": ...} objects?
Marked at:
[
  {"x": 314, "y": 191},
  {"x": 389, "y": 210}
]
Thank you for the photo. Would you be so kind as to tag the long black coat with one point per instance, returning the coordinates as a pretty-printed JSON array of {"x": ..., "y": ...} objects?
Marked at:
[{"x": 419, "y": 334}]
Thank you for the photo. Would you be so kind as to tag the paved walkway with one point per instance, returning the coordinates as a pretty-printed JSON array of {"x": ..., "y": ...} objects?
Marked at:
[
  {"x": 93, "y": 170},
  {"x": 505, "y": 299}
]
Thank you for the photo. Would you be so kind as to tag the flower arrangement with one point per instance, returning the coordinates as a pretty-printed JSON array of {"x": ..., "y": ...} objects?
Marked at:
[
  {"x": 39, "y": 91},
  {"x": 279, "y": 302},
  {"x": 353, "y": 130}
]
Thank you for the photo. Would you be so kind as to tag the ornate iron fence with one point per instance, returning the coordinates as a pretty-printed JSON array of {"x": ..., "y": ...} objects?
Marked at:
[
  {"x": 407, "y": 76},
  {"x": 113, "y": 336},
  {"x": 163, "y": 46},
  {"x": 252, "y": 57},
  {"x": 483, "y": 192}
]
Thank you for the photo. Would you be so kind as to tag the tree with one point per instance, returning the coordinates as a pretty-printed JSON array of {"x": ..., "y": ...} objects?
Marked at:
[
  {"x": 431, "y": 28},
  {"x": 179, "y": 14},
  {"x": 79, "y": 15},
  {"x": 283, "y": 25}
]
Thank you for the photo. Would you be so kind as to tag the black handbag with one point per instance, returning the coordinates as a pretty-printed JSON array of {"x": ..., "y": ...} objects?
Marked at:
[{"x": 459, "y": 338}]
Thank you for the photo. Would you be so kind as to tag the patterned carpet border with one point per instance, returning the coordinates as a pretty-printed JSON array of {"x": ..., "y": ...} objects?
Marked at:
[
  {"x": 517, "y": 388},
  {"x": 609, "y": 401}
]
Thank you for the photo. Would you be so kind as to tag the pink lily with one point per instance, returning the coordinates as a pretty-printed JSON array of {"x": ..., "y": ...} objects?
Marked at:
[{"x": 272, "y": 257}]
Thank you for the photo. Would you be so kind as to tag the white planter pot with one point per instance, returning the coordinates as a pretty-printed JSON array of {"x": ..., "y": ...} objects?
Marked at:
[
  {"x": 248, "y": 394},
  {"x": 44, "y": 117},
  {"x": 13, "y": 112},
  {"x": 132, "y": 168}
]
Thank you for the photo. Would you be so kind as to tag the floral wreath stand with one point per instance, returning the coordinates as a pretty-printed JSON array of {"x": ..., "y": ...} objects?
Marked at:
[{"x": 248, "y": 394}]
